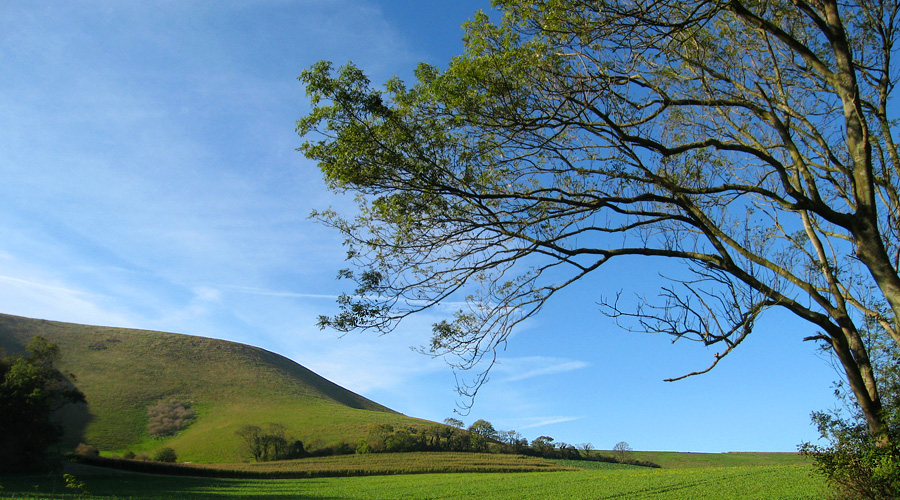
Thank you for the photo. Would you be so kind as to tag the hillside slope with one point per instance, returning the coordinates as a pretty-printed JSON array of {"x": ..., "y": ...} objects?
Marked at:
[{"x": 123, "y": 371}]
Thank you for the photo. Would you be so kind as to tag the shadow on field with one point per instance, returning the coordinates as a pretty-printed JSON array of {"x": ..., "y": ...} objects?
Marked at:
[{"x": 136, "y": 486}]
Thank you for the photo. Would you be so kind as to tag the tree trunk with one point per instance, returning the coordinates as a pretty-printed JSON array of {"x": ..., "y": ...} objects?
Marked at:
[{"x": 862, "y": 383}]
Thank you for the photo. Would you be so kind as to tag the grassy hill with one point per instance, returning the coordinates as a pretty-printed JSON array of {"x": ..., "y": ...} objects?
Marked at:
[{"x": 123, "y": 372}]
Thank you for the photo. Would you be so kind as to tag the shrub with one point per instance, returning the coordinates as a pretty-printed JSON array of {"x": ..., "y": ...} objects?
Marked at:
[
  {"x": 853, "y": 464},
  {"x": 74, "y": 484},
  {"x": 128, "y": 455},
  {"x": 166, "y": 455},
  {"x": 87, "y": 450},
  {"x": 169, "y": 416}
]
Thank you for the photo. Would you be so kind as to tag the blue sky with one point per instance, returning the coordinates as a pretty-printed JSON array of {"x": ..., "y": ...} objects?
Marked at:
[{"x": 150, "y": 181}]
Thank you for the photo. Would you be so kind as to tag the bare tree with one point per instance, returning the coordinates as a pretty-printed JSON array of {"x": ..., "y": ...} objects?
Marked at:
[
  {"x": 750, "y": 141},
  {"x": 620, "y": 450}
]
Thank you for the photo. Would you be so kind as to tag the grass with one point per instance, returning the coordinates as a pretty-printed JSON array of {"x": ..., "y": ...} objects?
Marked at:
[
  {"x": 721, "y": 483},
  {"x": 680, "y": 460},
  {"x": 123, "y": 371}
]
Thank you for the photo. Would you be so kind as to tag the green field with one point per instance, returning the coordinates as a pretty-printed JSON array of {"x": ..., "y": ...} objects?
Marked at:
[
  {"x": 722, "y": 483},
  {"x": 124, "y": 371},
  {"x": 367, "y": 464}
]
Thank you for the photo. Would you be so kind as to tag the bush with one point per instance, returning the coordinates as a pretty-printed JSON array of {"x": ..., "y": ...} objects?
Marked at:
[
  {"x": 169, "y": 416},
  {"x": 166, "y": 455},
  {"x": 853, "y": 464},
  {"x": 87, "y": 450},
  {"x": 128, "y": 455}
]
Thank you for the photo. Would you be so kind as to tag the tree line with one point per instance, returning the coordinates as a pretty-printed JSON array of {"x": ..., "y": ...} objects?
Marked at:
[{"x": 272, "y": 442}]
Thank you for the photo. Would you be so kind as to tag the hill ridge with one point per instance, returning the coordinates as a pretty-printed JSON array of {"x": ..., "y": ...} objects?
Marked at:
[{"x": 123, "y": 371}]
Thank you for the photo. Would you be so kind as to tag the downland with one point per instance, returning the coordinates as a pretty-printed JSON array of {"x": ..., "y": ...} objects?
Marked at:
[{"x": 229, "y": 385}]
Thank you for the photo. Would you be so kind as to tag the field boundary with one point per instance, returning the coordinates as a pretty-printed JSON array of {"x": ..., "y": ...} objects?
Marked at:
[{"x": 388, "y": 464}]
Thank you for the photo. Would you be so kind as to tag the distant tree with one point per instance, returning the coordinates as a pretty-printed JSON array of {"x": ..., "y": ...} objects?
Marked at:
[
  {"x": 271, "y": 443},
  {"x": 435, "y": 436},
  {"x": 586, "y": 448},
  {"x": 250, "y": 435},
  {"x": 543, "y": 445},
  {"x": 275, "y": 443},
  {"x": 567, "y": 451},
  {"x": 512, "y": 440},
  {"x": 166, "y": 455},
  {"x": 453, "y": 422},
  {"x": 31, "y": 390},
  {"x": 460, "y": 441},
  {"x": 483, "y": 428},
  {"x": 403, "y": 440},
  {"x": 620, "y": 450},
  {"x": 378, "y": 437}
]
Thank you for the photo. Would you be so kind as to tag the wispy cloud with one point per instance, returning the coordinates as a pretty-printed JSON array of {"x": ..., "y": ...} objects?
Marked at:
[
  {"x": 277, "y": 293},
  {"x": 533, "y": 422},
  {"x": 44, "y": 286},
  {"x": 517, "y": 369}
]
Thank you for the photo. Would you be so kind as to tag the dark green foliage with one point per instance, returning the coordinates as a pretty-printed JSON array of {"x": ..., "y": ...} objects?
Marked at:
[
  {"x": 853, "y": 464},
  {"x": 31, "y": 390},
  {"x": 483, "y": 428},
  {"x": 166, "y": 455},
  {"x": 169, "y": 416},
  {"x": 73, "y": 483},
  {"x": 542, "y": 445},
  {"x": 386, "y": 438},
  {"x": 856, "y": 463},
  {"x": 454, "y": 422},
  {"x": 271, "y": 443}
]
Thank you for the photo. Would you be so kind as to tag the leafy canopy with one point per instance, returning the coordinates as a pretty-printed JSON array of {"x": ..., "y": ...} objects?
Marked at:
[
  {"x": 31, "y": 390},
  {"x": 750, "y": 141}
]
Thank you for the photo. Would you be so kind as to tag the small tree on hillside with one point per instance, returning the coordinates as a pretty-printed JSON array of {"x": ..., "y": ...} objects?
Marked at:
[
  {"x": 620, "y": 450},
  {"x": 483, "y": 428},
  {"x": 166, "y": 454},
  {"x": 454, "y": 422},
  {"x": 543, "y": 445},
  {"x": 271, "y": 443},
  {"x": 252, "y": 436},
  {"x": 31, "y": 390}
]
